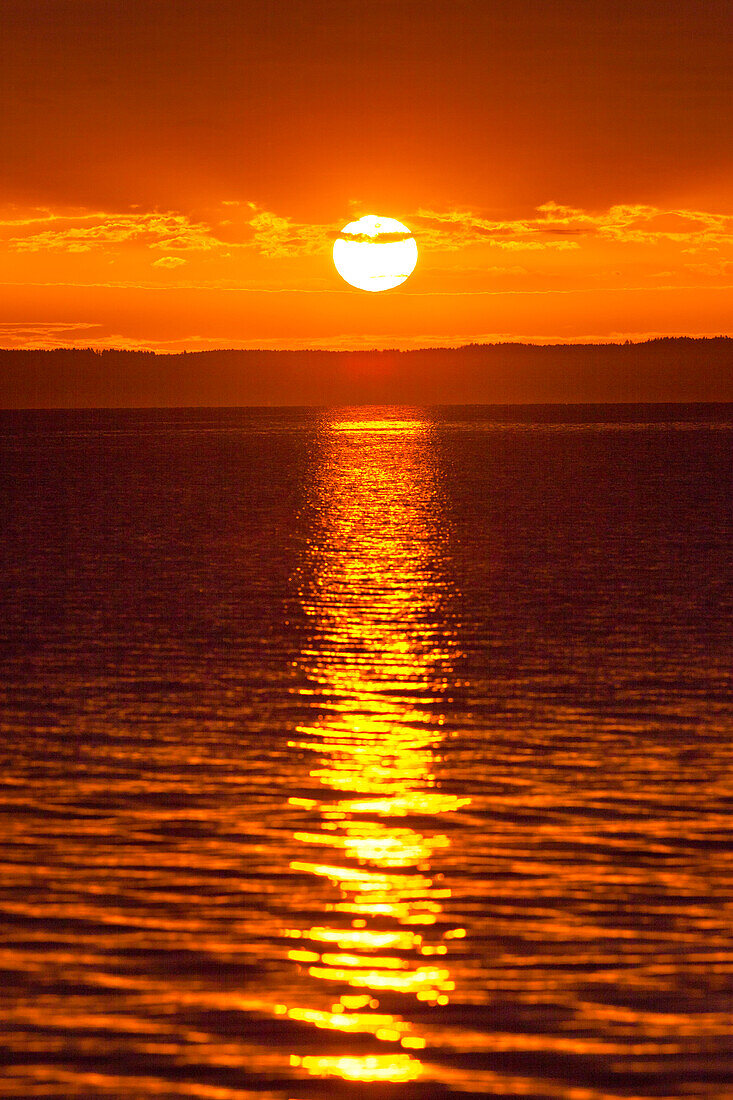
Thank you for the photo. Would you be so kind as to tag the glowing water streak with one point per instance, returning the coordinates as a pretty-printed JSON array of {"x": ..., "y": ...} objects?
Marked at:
[{"x": 378, "y": 666}]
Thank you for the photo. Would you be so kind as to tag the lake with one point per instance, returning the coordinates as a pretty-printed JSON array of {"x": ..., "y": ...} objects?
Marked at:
[{"x": 367, "y": 752}]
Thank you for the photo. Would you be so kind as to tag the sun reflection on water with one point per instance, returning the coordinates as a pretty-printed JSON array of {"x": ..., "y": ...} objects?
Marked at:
[{"x": 378, "y": 668}]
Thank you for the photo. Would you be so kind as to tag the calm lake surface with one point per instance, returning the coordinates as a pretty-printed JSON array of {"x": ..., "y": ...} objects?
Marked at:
[{"x": 363, "y": 752}]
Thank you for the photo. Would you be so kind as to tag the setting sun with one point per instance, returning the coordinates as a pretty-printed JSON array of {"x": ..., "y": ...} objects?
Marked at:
[{"x": 375, "y": 253}]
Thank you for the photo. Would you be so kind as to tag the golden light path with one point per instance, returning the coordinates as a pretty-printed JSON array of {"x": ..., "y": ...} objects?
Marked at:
[
  {"x": 378, "y": 666},
  {"x": 375, "y": 253}
]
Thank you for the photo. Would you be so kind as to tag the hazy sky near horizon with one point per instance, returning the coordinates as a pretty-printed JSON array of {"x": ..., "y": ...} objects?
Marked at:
[{"x": 174, "y": 171}]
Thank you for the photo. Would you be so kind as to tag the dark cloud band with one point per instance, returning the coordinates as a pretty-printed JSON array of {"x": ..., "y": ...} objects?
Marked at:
[{"x": 378, "y": 238}]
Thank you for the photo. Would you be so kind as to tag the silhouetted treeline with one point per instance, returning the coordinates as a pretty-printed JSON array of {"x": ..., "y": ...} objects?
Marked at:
[{"x": 680, "y": 369}]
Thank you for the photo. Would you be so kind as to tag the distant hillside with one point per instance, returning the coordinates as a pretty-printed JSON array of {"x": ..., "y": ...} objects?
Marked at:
[{"x": 681, "y": 369}]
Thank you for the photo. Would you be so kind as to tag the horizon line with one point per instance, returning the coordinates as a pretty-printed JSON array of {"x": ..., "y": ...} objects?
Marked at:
[{"x": 582, "y": 342}]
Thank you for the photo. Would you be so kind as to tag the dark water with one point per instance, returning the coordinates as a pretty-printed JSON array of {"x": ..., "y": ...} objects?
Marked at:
[{"x": 367, "y": 753}]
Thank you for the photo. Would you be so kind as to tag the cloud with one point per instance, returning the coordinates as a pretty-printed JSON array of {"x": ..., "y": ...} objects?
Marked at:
[
  {"x": 552, "y": 223},
  {"x": 368, "y": 238},
  {"x": 280, "y": 238},
  {"x": 42, "y": 215},
  {"x": 163, "y": 288},
  {"x": 169, "y": 262},
  {"x": 46, "y": 334},
  {"x": 453, "y": 231},
  {"x": 171, "y": 231},
  {"x": 551, "y": 228},
  {"x": 715, "y": 270}
]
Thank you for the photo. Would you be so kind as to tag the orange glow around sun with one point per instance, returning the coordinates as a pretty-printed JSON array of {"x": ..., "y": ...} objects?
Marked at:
[{"x": 167, "y": 187}]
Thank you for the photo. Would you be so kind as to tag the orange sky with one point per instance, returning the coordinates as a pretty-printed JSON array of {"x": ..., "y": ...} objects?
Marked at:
[{"x": 174, "y": 171}]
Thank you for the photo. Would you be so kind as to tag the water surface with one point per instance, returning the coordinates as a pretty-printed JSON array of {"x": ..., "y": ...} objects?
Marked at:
[{"x": 367, "y": 752}]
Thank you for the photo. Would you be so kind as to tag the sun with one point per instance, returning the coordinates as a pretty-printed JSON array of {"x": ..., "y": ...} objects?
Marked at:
[{"x": 375, "y": 253}]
